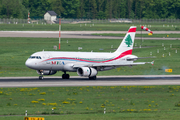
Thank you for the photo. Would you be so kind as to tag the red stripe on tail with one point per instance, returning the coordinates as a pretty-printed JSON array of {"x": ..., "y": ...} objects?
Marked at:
[{"x": 132, "y": 30}]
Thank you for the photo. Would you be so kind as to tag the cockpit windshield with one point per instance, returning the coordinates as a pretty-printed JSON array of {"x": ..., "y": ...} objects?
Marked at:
[{"x": 34, "y": 57}]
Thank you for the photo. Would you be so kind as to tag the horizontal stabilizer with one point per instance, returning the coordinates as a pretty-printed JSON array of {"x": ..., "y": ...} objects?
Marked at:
[{"x": 133, "y": 59}]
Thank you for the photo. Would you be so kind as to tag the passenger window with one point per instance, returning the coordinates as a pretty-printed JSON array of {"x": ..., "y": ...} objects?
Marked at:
[{"x": 34, "y": 57}]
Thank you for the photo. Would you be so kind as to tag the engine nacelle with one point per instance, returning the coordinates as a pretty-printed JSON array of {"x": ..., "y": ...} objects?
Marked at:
[
  {"x": 86, "y": 71},
  {"x": 46, "y": 72}
]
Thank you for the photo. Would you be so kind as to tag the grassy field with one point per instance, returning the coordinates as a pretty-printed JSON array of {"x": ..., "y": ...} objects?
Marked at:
[
  {"x": 87, "y": 27},
  {"x": 15, "y": 51},
  {"x": 121, "y": 102}
]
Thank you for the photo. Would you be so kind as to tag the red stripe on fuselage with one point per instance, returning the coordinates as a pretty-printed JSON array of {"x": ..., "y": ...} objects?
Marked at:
[
  {"x": 132, "y": 30},
  {"x": 129, "y": 52}
]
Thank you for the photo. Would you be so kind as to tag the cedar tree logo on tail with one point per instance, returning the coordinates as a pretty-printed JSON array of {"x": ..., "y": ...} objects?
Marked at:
[{"x": 128, "y": 41}]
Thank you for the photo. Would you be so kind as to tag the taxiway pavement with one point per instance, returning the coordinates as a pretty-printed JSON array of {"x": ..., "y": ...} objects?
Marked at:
[
  {"x": 78, "y": 34},
  {"x": 81, "y": 81}
]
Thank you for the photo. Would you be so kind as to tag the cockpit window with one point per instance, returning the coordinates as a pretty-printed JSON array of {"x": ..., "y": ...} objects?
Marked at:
[{"x": 34, "y": 57}]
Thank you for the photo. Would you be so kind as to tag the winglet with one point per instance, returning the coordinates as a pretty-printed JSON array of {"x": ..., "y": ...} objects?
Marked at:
[{"x": 152, "y": 63}]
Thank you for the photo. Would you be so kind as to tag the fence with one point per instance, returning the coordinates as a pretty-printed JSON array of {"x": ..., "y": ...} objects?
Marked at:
[
  {"x": 19, "y": 21},
  {"x": 64, "y": 20}
]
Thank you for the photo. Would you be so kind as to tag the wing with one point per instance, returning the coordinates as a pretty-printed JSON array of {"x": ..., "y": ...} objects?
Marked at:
[{"x": 111, "y": 64}]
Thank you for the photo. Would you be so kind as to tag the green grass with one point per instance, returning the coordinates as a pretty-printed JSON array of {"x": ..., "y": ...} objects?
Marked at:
[
  {"x": 87, "y": 27},
  {"x": 121, "y": 102},
  {"x": 110, "y": 116},
  {"x": 143, "y": 35},
  {"x": 15, "y": 51}
]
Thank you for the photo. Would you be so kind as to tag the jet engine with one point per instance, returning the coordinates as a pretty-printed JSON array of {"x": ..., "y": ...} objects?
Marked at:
[
  {"x": 86, "y": 71},
  {"x": 46, "y": 72}
]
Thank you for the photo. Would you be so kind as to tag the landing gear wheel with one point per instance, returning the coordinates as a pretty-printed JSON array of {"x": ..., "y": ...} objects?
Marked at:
[
  {"x": 41, "y": 73},
  {"x": 40, "y": 77},
  {"x": 65, "y": 76},
  {"x": 92, "y": 78}
]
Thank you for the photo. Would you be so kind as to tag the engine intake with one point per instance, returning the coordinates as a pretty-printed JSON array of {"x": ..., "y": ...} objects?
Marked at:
[
  {"x": 87, "y": 71},
  {"x": 46, "y": 72}
]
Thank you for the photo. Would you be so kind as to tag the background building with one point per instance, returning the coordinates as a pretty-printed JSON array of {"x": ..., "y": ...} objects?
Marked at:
[{"x": 50, "y": 16}]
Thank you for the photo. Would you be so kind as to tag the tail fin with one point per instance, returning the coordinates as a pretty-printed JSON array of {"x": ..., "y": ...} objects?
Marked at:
[{"x": 126, "y": 45}]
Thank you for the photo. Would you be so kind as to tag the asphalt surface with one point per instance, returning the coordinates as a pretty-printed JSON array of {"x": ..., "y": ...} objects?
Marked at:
[
  {"x": 78, "y": 34},
  {"x": 81, "y": 81}
]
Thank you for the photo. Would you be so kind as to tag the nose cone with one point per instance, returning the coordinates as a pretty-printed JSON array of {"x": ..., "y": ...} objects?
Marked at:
[
  {"x": 31, "y": 64},
  {"x": 28, "y": 63}
]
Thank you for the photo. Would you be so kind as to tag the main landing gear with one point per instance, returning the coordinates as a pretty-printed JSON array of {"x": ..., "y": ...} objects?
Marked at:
[
  {"x": 92, "y": 78},
  {"x": 65, "y": 76}
]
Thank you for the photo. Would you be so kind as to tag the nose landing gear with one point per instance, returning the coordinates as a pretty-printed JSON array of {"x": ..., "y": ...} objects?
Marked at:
[{"x": 41, "y": 77}]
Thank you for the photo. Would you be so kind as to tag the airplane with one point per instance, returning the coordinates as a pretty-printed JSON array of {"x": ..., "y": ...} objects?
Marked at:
[{"x": 86, "y": 64}]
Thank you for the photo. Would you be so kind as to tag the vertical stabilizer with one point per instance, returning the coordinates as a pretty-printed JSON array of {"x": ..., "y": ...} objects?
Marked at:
[{"x": 126, "y": 45}]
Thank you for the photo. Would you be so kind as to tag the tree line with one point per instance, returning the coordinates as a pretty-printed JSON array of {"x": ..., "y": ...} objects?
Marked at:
[{"x": 91, "y": 9}]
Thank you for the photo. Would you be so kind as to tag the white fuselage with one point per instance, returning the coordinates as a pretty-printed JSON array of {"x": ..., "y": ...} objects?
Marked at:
[{"x": 64, "y": 61}]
